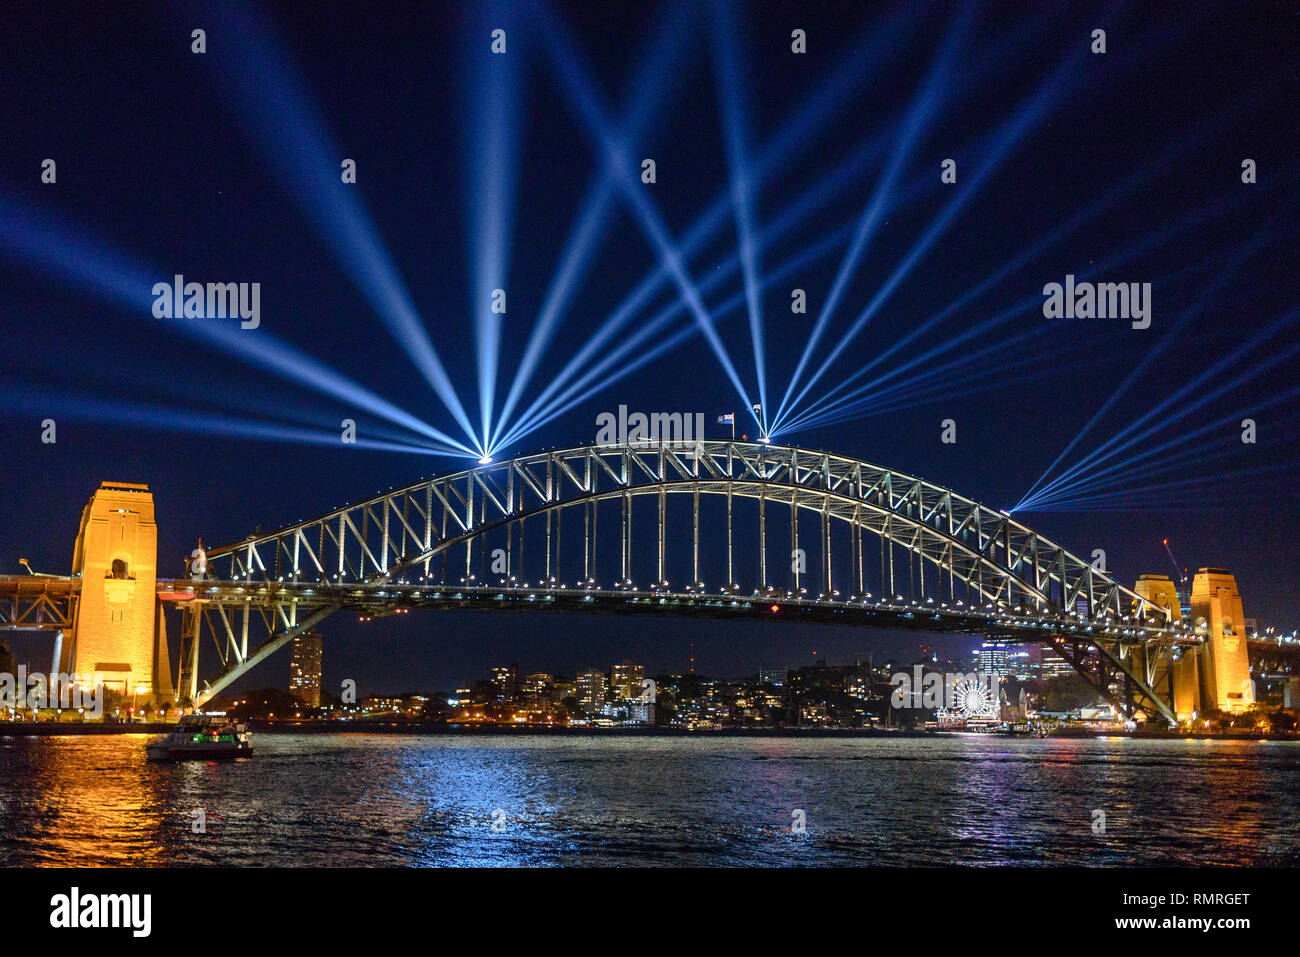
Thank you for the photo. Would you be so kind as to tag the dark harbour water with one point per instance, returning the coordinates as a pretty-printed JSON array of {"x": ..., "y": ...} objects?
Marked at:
[{"x": 398, "y": 800}]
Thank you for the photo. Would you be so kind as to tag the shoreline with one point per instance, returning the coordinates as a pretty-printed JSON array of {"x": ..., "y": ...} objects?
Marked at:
[{"x": 53, "y": 729}]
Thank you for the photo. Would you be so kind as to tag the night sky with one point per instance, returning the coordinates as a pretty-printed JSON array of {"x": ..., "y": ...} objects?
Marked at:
[{"x": 225, "y": 166}]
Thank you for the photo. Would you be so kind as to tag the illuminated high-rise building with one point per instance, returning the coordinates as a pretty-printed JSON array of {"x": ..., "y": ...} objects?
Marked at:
[
  {"x": 625, "y": 680},
  {"x": 591, "y": 691},
  {"x": 304, "y": 669},
  {"x": 991, "y": 659},
  {"x": 505, "y": 683},
  {"x": 537, "y": 686}
]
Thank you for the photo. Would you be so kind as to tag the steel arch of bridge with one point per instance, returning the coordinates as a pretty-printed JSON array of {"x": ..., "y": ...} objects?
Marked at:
[{"x": 384, "y": 552}]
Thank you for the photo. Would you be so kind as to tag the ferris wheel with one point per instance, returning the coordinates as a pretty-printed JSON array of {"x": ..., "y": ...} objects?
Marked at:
[{"x": 973, "y": 698}]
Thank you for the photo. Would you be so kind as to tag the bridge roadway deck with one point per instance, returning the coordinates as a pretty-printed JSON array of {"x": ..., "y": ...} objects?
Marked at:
[
  {"x": 376, "y": 601},
  {"x": 37, "y": 602},
  {"x": 42, "y": 603}
]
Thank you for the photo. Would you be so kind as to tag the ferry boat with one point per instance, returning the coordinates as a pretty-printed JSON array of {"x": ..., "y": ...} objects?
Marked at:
[{"x": 203, "y": 737}]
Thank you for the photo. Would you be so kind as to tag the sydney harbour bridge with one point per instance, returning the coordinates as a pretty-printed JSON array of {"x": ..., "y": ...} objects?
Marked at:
[{"x": 628, "y": 529}]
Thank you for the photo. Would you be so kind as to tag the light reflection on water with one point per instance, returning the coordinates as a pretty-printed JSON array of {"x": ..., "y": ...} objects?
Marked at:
[{"x": 374, "y": 800}]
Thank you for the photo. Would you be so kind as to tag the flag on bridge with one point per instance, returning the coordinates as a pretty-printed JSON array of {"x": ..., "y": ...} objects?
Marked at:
[{"x": 728, "y": 419}]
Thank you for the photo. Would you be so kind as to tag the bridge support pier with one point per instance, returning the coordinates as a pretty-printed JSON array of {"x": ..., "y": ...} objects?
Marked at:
[
  {"x": 1214, "y": 675},
  {"x": 117, "y": 635}
]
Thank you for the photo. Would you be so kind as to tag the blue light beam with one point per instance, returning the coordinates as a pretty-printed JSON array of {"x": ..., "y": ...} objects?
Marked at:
[
  {"x": 735, "y": 128},
  {"x": 580, "y": 86},
  {"x": 284, "y": 125},
  {"x": 595, "y": 212},
  {"x": 52, "y": 248},
  {"x": 914, "y": 126},
  {"x": 1027, "y": 115},
  {"x": 491, "y": 171}
]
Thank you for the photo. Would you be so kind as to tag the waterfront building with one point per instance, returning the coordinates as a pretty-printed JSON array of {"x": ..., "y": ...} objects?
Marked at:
[
  {"x": 641, "y": 712},
  {"x": 591, "y": 691},
  {"x": 625, "y": 680},
  {"x": 858, "y": 686},
  {"x": 505, "y": 683},
  {"x": 536, "y": 687}
]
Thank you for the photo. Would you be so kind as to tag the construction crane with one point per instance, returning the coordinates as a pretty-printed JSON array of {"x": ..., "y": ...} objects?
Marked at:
[{"x": 1181, "y": 572}]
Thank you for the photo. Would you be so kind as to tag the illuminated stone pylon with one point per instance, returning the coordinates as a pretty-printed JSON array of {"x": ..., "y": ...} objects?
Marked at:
[
  {"x": 119, "y": 634},
  {"x": 1184, "y": 672},
  {"x": 1217, "y": 614}
]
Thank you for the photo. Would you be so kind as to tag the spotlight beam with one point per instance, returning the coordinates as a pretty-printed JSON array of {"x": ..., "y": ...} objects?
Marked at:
[
  {"x": 49, "y": 246},
  {"x": 281, "y": 121},
  {"x": 1170, "y": 458},
  {"x": 1026, "y": 116},
  {"x": 1139, "y": 498},
  {"x": 596, "y": 209},
  {"x": 491, "y": 169},
  {"x": 231, "y": 395},
  {"x": 1129, "y": 436},
  {"x": 915, "y": 124},
  {"x": 580, "y": 86},
  {"x": 643, "y": 292},
  {"x": 951, "y": 379},
  {"x": 629, "y": 356},
  {"x": 727, "y": 69},
  {"x": 825, "y": 190},
  {"x": 1130, "y": 186},
  {"x": 1221, "y": 280},
  {"x": 798, "y": 131},
  {"x": 861, "y": 397},
  {"x": 967, "y": 385},
  {"x": 197, "y": 421}
]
